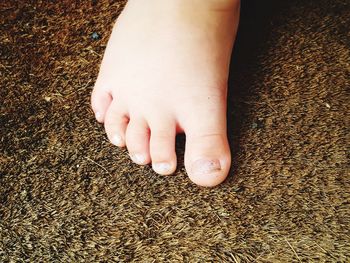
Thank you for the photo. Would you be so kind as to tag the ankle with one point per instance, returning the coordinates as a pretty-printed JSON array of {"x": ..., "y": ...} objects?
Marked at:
[
  {"x": 212, "y": 5},
  {"x": 224, "y": 5}
]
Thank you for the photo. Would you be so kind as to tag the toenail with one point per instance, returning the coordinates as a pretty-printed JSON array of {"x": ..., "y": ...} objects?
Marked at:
[
  {"x": 98, "y": 115},
  {"x": 206, "y": 166},
  {"x": 117, "y": 140},
  {"x": 138, "y": 158},
  {"x": 161, "y": 167}
]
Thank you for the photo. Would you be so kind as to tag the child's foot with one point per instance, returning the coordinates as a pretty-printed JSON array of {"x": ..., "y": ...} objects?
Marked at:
[{"x": 164, "y": 72}]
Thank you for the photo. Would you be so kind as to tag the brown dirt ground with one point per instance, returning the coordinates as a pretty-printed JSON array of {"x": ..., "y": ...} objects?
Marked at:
[{"x": 67, "y": 195}]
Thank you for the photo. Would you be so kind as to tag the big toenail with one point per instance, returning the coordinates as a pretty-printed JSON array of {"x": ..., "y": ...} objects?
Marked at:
[
  {"x": 138, "y": 158},
  {"x": 161, "y": 167},
  {"x": 117, "y": 140},
  {"x": 206, "y": 166}
]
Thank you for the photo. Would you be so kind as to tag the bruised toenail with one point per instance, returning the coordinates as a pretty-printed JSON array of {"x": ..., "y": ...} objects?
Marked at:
[
  {"x": 206, "y": 166},
  {"x": 138, "y": 158},
  {"x": 117, "y": 140},
  {"x": 161, "y": 167}
]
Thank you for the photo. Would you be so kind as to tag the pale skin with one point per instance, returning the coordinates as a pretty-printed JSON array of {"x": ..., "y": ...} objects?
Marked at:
[{"x": 164, "y": 72}]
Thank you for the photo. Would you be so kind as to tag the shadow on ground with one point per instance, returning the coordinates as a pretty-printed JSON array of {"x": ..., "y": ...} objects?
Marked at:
[{"x": 256, "y": 23}]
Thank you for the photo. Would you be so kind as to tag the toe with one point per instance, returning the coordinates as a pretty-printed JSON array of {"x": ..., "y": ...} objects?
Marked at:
[
  {"x": 207, "y": 158},
  {"x": 100, "y": 102},
  {"x": 162, "y": 145},
  {"x": 116, "y": 121},
  {"x": 207, "y": 155},
  {"x": 137, "y": 140}
]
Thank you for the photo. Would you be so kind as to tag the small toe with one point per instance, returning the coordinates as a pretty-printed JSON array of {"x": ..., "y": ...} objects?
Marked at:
[
  {"x": 116, "y": 121},
  {"x": 162, "y": 146},
  {"x": 137, "y": 140},
  {"x": 100, "y": 102}
]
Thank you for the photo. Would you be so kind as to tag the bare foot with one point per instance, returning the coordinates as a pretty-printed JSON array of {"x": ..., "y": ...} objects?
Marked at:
[{"x": 164, "y": 72}]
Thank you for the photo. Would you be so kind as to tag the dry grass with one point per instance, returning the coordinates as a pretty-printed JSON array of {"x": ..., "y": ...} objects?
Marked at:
[{"x": 67, "y": 195}]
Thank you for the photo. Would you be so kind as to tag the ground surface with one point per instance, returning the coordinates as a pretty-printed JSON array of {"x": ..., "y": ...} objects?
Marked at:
[{"x": 68, "y": 195}]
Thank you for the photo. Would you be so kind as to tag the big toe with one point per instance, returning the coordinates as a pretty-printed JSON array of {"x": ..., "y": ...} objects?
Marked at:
[{"x": 207, "y": 158}]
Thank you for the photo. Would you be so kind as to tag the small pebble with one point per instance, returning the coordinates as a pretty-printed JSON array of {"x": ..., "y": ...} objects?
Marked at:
[
  {"x": 95, "y": 36},
  {"x": 258, "y": 124},
  {"x": 328, "y": 106}
]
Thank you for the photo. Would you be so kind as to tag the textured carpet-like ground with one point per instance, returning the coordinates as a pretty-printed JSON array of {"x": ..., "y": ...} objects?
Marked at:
[{"x": 67, "y": 195}]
